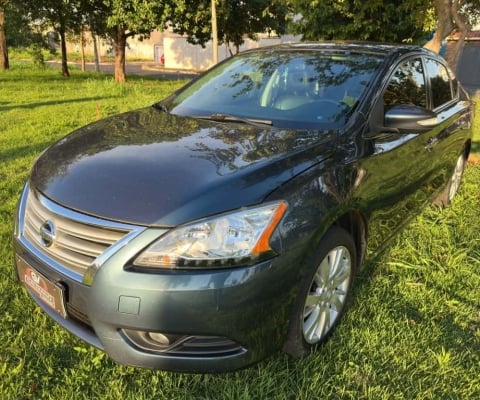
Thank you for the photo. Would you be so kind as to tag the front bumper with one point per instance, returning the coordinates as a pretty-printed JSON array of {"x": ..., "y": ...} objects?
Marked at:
[
  {"x": 236, "y": 306},
  {"x": 215, "y": 320}
]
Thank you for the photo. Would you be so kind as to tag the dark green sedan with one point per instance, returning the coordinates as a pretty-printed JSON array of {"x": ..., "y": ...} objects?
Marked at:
[{"x": 228, "y": 221}]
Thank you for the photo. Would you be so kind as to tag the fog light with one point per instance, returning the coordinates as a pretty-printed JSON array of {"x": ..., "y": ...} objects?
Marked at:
[
  {"x": 152, "y": 341},
  {"x": 159, "y": 338}
]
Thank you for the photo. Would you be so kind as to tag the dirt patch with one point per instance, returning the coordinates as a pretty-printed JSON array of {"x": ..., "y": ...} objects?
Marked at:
[{"x": 474, "y": 159}]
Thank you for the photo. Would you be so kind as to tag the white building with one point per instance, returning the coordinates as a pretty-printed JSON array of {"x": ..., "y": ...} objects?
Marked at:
[{"x": 174, "y": 51}]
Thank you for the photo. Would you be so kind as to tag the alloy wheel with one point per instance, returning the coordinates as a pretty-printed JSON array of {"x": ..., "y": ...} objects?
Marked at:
[{"x": 327, "y": 295}]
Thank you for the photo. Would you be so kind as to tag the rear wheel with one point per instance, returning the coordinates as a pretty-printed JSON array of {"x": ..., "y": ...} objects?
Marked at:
[
  {"x": 451, "y": 189},
  {"x": 323, "y": 293}
]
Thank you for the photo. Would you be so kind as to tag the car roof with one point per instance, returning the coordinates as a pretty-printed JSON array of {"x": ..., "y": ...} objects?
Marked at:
[{"x": 376, "y": 48}]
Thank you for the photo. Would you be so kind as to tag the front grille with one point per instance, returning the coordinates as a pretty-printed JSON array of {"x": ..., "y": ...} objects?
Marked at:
[{"x": 71, "y": 242}]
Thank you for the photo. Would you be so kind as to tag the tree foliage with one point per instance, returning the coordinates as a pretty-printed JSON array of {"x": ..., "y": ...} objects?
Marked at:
[
  {"x": 376, "y": 20},
  {"x": 236, "y": 19},
  {"x": 401, "y": 21},
  {"x": 398, "y": 21}
]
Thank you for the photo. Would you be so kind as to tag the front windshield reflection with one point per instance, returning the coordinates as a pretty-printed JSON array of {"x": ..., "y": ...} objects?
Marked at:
[{"x": 293, "y": 89}]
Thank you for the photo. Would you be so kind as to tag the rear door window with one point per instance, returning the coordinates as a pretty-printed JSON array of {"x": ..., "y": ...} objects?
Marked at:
[
  {"x": 407, "y": 85},
  {"x": 440, "y": 83}
]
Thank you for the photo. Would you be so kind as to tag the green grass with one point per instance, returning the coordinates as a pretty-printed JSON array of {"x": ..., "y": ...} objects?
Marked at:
[
  {"x": 32, "y": 53},
  {"x": 412, "y": 331}
]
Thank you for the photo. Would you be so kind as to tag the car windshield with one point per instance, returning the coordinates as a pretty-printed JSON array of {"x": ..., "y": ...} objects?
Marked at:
[{"x": 290, "y": 89}]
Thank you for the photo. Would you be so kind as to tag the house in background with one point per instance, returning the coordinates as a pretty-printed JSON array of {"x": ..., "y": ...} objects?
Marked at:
[
  {"x": 468, "y": 69},
  {"x": 173, "y": 51}
]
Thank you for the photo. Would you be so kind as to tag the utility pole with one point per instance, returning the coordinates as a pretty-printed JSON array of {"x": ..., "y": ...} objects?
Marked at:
[{"x": 214, "y": 32}]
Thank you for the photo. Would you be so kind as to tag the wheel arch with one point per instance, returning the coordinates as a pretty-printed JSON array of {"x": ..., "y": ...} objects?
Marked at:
[
  {"x": 352, "y": 224},
  {"x": 466, "y": 148},
  {"x": 355, "y": 224}
]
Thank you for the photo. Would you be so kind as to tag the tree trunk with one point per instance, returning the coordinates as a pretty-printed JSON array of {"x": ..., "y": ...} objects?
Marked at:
[
  {"x": 120, "y": 43},
  {"x": 63, "y": 45},
  {"x": 229, "y": 49},
  {"x": 96, "y": 59},
  {"x": 457, "y": 49},
  {"x": 82, "y": 49},
  {"x": 445, "y": 24},
  {"x": 4, "y": 64},
  {"x": 214, "y": 32},
  {"x": 448, "y": 20},
  {"x": 95, "y": 52}
]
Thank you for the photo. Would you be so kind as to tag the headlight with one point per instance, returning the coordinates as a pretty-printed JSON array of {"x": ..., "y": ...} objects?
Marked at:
[{"x": 227, "y": 240}]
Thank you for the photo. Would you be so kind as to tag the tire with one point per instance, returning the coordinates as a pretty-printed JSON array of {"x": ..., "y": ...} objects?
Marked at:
[
  {"x": 323, "y": 293},
  {"x": 446, "y": 197}
]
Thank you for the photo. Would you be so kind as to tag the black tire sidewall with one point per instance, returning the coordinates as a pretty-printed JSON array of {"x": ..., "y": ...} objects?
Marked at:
[{"x": 444, "y": 199}]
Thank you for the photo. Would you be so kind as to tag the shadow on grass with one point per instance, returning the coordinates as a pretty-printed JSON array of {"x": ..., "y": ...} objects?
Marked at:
[
  {"x": 18, "y": 152},
  {"x": 4, "y": 106},
  {"x": 475, "y": 146}
]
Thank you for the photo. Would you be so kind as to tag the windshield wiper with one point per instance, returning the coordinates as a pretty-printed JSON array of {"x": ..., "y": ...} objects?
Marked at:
[{"x": 232, "y": 118}]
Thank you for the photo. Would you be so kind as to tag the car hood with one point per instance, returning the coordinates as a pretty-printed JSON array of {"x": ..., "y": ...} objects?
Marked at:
[{"x": 151, "y": 168}]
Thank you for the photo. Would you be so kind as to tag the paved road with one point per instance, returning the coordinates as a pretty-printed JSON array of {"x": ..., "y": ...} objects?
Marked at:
[{"x": 149, "y": 69}]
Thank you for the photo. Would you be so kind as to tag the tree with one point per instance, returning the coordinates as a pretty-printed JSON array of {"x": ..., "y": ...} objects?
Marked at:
[
  {"x": 236, "y": 19},
  {"x": 96, "y": 14},
  {"x": 4, "y": 64},
  {"x": 453, "y": 16},
  {"x": 61, "y": 15},
  {"x": 13, "y": 22},
  {"x": 400, "y": 21},
  {"x": 5, "y": 6},
  {"x": 377, "y": 20},
  {"x": 91, "y": 16},
  {"x": 127, "y": 19},
  {"x": 241, "y": 18}
]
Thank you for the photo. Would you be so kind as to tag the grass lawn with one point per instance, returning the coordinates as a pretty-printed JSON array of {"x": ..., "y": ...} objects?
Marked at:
[{"x": 412, "y": 331}]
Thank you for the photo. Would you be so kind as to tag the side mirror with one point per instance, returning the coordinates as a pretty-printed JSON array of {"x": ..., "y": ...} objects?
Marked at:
[{"x": 410, "y": 117}]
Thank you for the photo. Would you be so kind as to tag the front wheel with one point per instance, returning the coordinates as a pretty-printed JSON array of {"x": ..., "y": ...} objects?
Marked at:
[
  {"x": 453, "y": 185},
  {"x": 323, "y": 293}
]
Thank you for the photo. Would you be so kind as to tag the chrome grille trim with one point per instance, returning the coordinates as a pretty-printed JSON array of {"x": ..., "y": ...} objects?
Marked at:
[{"x": 80, "y": 240}]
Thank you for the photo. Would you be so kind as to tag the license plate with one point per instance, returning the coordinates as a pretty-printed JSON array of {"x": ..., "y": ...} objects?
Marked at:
[{"x": 48, "y": 292}]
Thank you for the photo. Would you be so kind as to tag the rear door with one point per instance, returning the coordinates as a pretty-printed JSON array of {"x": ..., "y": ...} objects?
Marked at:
[{"x": 452, "y": 122}]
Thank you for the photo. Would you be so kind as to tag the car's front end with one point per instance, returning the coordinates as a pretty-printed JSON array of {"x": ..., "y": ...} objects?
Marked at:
[
  {"x": 87, "y": 273},
  {"x": 155, "y": 269}
]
